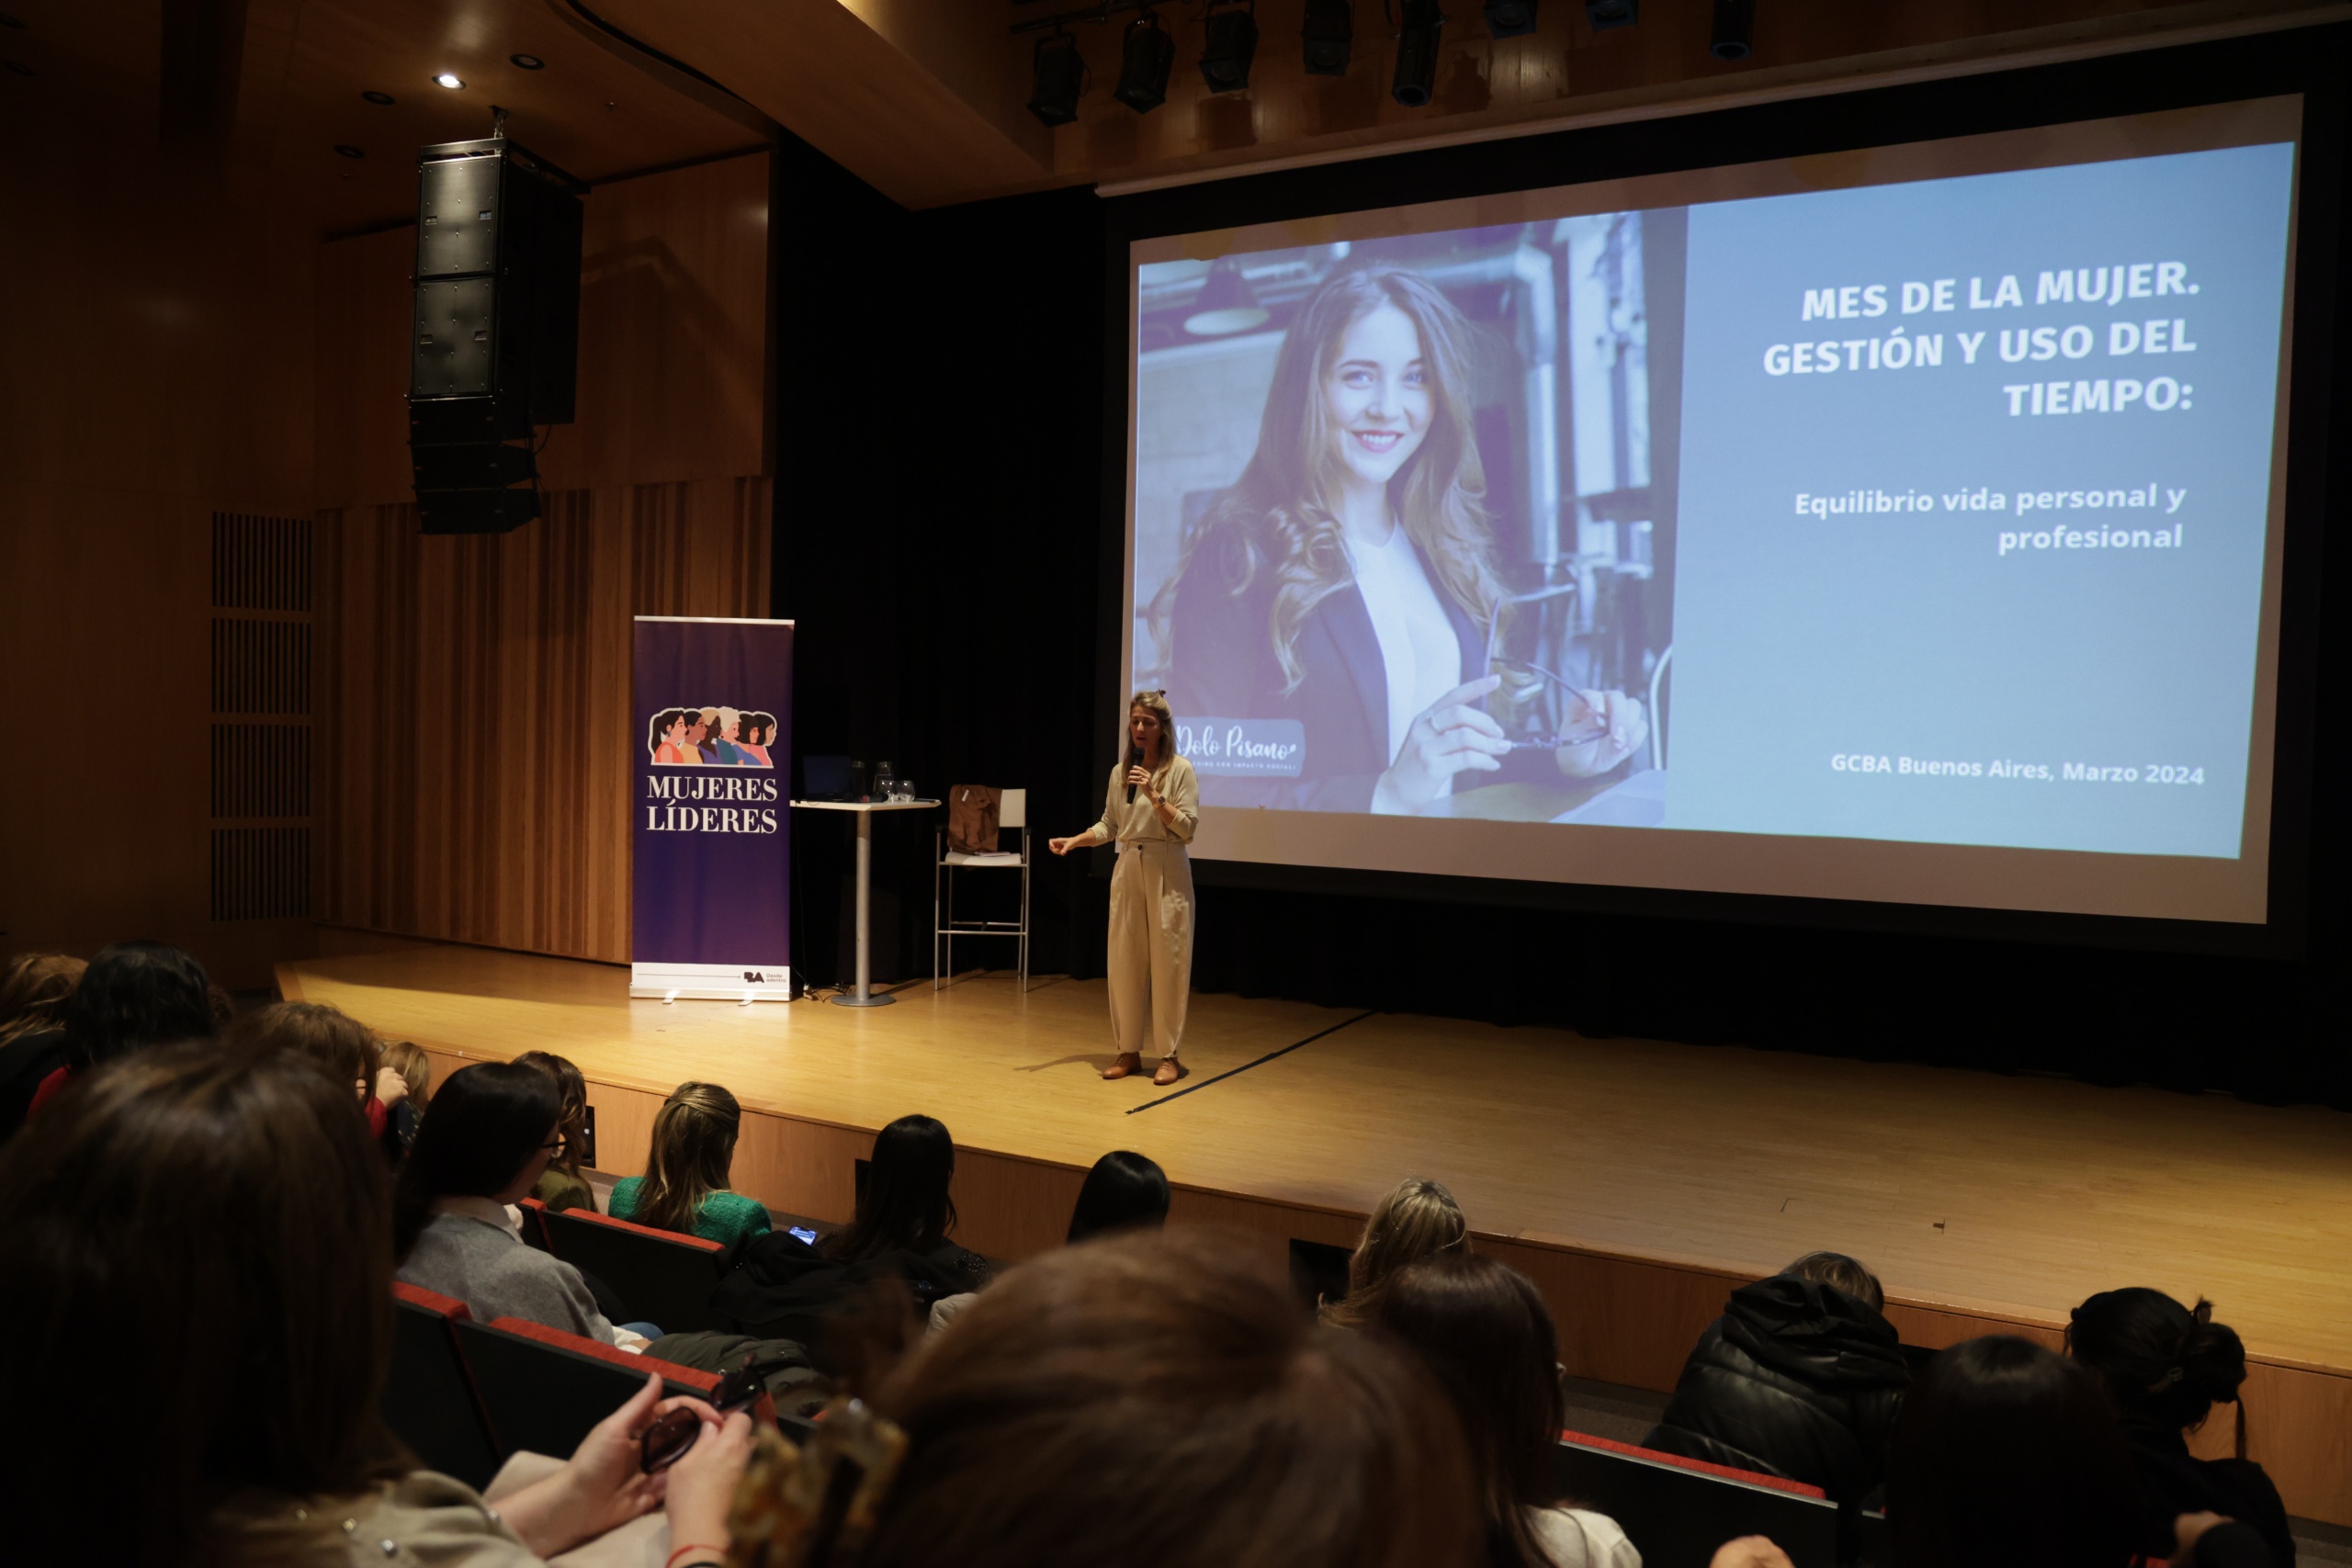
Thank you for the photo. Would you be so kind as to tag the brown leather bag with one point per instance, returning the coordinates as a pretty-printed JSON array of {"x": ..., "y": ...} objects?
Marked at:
[{"x": 972, "y": 817}]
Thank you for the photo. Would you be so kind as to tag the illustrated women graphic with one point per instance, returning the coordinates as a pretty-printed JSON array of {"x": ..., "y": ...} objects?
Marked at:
[
  {"x": 759, "y": 730},
  {"x": 731, "y": 733},
  {"x": 702, "y": 733},
  {"x": 1346, "y": 581},
  {"x": 674, "y": 747}
]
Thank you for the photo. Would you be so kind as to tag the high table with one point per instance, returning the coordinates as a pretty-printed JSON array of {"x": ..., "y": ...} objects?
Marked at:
[{"x": 863, "y": 996}]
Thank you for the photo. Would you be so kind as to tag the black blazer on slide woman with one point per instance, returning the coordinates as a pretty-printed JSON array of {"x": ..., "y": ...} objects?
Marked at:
[{"x": 1222, "y": 665}]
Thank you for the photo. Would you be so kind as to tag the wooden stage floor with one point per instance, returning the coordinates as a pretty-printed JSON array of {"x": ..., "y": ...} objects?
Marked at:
[{"x": 1979, "y": 1199}]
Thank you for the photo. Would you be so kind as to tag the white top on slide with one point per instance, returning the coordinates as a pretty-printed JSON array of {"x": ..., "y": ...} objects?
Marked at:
[{"x": 1418, "y": 652}]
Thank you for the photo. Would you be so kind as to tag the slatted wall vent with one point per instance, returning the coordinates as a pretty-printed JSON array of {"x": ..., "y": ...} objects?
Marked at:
[
  {"x": 261, "y": 670},
  {"x": 261, "y": 874},
  {"x": 260, "y": 563},
  {"x": 261, "y": 770},
  {"x": 261, "y": 666}
]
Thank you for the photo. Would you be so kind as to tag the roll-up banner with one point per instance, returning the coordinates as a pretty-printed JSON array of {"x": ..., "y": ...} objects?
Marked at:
[{"x": 711, "y": 827}]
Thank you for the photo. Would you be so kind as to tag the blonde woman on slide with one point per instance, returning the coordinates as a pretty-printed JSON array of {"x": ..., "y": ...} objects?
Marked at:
[{"x": 1153, "y": 806}]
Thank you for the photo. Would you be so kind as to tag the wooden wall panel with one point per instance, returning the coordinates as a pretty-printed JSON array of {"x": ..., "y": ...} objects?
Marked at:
[
  {"x": 157, "y": 369},
  {"x": 474, "y": 726},
  {"x": 672, "y": 342}
]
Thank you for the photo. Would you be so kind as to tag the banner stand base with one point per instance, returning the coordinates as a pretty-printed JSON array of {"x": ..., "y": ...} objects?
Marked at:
[{"x": 710, "y": 983}]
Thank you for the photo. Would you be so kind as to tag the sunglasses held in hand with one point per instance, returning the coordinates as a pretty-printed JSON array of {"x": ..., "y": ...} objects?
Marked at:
[{"x": 666, "y": 1441}]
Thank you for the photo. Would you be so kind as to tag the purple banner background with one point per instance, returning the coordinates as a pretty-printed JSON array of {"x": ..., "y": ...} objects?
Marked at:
[{"x": 704, "y": 895}]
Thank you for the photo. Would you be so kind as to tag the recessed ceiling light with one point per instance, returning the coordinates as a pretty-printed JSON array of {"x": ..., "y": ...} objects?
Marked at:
[
  {"x": 527, "y": 62},
  {"x": 447, "y": 79},
  {"x": 348, "y": 150},
  {"x": 374, "y": 96}
]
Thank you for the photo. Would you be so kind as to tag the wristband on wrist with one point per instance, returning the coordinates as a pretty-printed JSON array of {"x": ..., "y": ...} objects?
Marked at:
[{"x": 697, "y": 1546}]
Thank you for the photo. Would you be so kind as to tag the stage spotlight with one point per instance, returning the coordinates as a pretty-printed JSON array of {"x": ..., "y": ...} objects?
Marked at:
[
  {"x": 1060, "y": 79},
  {"x": 1417, "y": 53},
  {"x": 1510, "y": 19},
  {"x": 447, "y": 79},
  {"x": 1144, "y": 60},
  {"x": 1734, "y": 29},
  {"x": 1328, "y": 38},
  {"x": 1228, "y": 304},
  {"x": 1606, "y": 13},
  {"x": 1232, "y": 44}
]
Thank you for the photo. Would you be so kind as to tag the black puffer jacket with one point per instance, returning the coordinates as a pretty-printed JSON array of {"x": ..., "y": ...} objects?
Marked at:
[{"x": 1797, "y": 1380}]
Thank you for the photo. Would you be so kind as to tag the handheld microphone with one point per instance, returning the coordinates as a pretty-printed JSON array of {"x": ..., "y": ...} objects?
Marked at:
[{"x": 1135, "y": 759}]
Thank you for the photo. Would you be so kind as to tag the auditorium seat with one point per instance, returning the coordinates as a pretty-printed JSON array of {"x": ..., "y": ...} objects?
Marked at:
[
  {"x": 534, "y": 1223},
  {"x": 430, "y": 1402},
  {"x": 544, "y": 1388},
  {"x": 1677, "y": 1511},
  {"x": 665, "y": 1277}
]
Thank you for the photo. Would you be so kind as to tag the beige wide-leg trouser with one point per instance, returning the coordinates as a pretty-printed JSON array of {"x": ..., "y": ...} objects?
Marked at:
[{"x": 1151, "y": 946}]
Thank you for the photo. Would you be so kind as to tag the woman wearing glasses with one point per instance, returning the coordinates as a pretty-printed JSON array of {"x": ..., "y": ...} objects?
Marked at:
[
  {"x": 484, "y": 1143},
  {"x": 1345, "y": 580}
]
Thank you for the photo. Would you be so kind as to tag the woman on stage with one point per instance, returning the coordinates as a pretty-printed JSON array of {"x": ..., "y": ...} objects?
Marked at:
[{"x": 1153, "y": 806}]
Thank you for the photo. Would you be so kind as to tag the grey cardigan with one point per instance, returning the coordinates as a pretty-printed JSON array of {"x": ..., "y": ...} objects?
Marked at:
[{"x": 478, "y": 1259}]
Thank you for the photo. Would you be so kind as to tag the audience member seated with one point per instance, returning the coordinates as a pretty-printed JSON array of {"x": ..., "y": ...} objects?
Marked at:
[
  {"x": 234, "y": 1198},
  {"x": 1417, "y": 1218},
  {"x": 1124, "y": 1192},
  {"x": 2164, "y": 1365},
  {"x": 1152, "y": 1402},
  {"x": 408, "y": 1059},
  {"x": 906, "y": 1212},
  {"x": 34, "y": 988},
  {"x": 484, "y": 1142},
  {"x": 1484, "y": 1330},
  {"x": 342, "y": 1047},
  {"x": 685, "y": 1184},
  {"x": 1801, "y": 1377},
  {"x": 2008, "y": 1453},
  {"x": 134, "y": 995},
  {"x": 561, "y": 1186}
]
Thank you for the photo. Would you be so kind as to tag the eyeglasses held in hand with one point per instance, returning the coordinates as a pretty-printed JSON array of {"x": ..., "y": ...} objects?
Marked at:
[
  {"x": 1520, "y": 675},
  {"x": 666, "y": 1441}
]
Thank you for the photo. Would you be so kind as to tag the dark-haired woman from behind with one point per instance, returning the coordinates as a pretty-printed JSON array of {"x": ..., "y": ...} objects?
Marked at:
[
  {"x": 2165, "y": 1366},
  {"x": 2009, "y": 1453},
  {"x": 234, "y": 1196},
  {"x": 906, "y": 1212},
  {"x": 1483, "y": 1329},
  {"x": 1124, "y": 1192},
  {"x": 561, "y": 1186},
  {"x": 134, "y": 995},
  {"x": 484, "y": 1142}
]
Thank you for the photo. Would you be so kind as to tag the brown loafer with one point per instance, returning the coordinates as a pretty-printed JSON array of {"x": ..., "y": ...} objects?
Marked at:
[
  {"x": 1170, "y": 1070},
  {"x": 1128, "y": 1062}
]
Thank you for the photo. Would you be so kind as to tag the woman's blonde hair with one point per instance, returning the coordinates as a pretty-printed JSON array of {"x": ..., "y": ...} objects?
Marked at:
[
  {"x": 1280, "y": 517},
  {"x": 34, "y": 989},
  {"x": 1156, "y": 704},
  {"x": 693, "y": 1149},
  {"x": 1418, "y": 1218},
  {"x": 407, "y": 1058}
]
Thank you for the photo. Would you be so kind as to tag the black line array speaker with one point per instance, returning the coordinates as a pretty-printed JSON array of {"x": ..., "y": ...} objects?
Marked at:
[{"x": 495, "y": 346}]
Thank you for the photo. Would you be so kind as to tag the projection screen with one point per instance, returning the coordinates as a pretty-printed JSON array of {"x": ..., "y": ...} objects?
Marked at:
[{"x": 1900, "y": 525}]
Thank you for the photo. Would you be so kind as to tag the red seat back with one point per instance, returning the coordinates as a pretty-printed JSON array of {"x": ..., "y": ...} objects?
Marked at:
[
  {"x": 1677, "y": 1511},
  {"x": 430, "y": 1401},
  {"x": 665, "y": 1277}
]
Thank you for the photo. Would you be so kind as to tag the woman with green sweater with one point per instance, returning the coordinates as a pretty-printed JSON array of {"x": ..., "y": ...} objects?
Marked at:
[{"x": 685, "y": 1184}]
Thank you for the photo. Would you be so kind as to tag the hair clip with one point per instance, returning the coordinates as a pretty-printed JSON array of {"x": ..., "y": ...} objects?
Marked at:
[
  {"x": 2172, "y": 1375},
  {"x": 798, "y": 1505}
]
